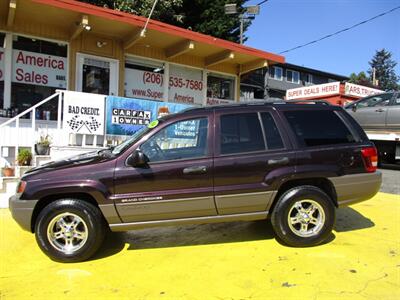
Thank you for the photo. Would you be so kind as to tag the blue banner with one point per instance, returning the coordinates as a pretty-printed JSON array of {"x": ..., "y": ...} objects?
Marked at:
[{"x": 125, "y": 116}]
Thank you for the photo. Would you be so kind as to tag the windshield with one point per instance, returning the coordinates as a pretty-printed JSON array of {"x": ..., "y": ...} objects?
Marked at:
[{"x": 130, "y": 141}]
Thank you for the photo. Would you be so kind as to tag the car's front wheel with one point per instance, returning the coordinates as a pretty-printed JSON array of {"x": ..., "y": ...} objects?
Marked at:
[
  {"x": 303, "y": 216},
  {"x": 70, "y": 230}
]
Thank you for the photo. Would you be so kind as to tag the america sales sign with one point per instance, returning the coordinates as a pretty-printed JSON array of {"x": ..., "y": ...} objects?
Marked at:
[{"x": 39, "y": 69}]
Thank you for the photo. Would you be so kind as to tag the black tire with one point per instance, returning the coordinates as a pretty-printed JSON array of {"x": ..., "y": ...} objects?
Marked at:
[
  {"x": 294, "y": 234},
  {"x": 88, "y": 218}
]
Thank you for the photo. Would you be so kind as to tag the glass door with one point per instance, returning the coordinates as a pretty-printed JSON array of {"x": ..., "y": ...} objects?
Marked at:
[{"x": 97, "y": 75}]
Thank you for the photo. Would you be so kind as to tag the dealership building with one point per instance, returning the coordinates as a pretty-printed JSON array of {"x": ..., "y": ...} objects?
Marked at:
[{"x": 62, "y": 44}]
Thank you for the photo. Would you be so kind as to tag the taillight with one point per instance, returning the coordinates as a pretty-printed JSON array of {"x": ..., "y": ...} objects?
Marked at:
[
  {"x": 21, "y": 187},
  {"x": 370, "y": 156}
]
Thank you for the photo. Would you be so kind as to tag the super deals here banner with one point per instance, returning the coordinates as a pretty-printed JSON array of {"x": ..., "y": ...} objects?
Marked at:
[
  {"x": 125, "y": 116},
  {"x": 83, "y": 113}
]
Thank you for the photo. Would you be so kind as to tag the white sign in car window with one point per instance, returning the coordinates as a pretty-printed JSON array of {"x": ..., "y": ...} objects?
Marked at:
[
  {"x": 185, "y": 85},
  {"x": 84, "y": 113},
  {"x": 352, "y": 89},
  {"x": 144, "y": 84},
  {"x": 2, "y": 64},
  {"x": 39, "y": 69}
]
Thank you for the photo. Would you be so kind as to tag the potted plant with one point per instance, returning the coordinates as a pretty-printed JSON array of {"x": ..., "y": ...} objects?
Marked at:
[
  {"x": 24, "y": 157},
  {"x": 8, "y": 172},
  {"x": 42, "y": 147}
]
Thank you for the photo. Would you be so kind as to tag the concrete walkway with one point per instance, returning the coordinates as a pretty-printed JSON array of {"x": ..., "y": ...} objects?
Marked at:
[{"x": 218, "y": 261}]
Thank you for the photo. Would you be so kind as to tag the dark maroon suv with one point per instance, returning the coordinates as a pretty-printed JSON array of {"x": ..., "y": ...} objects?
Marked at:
[{"x": 293, "y": 162}]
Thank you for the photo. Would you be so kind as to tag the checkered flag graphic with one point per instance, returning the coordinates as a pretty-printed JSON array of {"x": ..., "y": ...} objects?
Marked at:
[
  {"x": 93, "y": 124},
  {"x": 75, "y": 124}
]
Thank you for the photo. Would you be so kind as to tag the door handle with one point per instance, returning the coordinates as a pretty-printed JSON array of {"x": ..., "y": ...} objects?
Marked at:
[
  {"x": 280, "y": 161},
  {"x": 195, "y": 170},
  {"x": 380, "y": 110}
]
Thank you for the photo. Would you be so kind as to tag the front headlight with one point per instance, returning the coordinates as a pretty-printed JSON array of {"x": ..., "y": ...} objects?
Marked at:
[{"x": 21, "y": 187}]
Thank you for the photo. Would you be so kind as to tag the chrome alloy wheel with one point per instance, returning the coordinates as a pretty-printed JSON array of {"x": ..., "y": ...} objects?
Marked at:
[
  {"x": 67, "y": 232},
  {"x": 306, "y": 218}
]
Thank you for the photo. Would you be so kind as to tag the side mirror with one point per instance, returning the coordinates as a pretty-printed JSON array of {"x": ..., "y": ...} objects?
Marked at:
[
  {"x": 354, "y": 107},
  {"x": 137, "y": 159}
]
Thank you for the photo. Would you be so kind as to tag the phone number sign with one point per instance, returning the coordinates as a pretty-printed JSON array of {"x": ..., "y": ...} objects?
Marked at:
[{"x": 185, "y": 85}]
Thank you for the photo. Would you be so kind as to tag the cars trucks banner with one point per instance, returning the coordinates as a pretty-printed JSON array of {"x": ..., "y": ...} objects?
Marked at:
[
  {"x": 125, "y": 116},
  {"x": 360, "y": 91},
  {"x": 83, "y": 113}
]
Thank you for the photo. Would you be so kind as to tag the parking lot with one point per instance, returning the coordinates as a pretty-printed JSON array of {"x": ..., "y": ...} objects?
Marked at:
[{"x": 219, "y": 261}]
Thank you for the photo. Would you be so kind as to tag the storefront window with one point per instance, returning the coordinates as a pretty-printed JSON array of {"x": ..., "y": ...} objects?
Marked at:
[
  {"x": 144, "y": 79},
  {"x": 2, "y": 54},
  {"x": 220, "y": 89},
  {"x": 38, "y": 69},
  {"x": 185, "y": 85}
]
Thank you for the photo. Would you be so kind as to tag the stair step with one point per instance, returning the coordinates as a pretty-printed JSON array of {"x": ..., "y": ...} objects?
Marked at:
[{"x": 8, "y": 185}]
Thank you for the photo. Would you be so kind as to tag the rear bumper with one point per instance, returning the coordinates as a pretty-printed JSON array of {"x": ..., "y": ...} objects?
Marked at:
[
  {"x": 22, "y": 211},
  {"x": 355, "y": 188}
]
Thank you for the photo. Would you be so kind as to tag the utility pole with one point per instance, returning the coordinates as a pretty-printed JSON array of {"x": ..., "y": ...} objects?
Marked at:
[
  {"x": 241, "y": 28},
  {"x": 248, "y": 14}
]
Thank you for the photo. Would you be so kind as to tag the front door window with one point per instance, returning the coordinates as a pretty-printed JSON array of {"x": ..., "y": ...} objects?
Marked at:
[{"x": 97, "y": 75}]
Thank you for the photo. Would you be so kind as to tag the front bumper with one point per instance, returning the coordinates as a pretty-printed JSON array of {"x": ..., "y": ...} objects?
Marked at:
[
  {"x": 355, "y": 188},
  {"x": 22, "y": 211}
]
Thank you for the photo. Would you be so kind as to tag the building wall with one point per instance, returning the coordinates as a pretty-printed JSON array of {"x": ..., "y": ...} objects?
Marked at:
[{"x": 277, "y": 87}]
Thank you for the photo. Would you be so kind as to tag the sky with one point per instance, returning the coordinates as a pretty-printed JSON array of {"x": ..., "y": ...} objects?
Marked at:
[{"x": 284, "y": 24}]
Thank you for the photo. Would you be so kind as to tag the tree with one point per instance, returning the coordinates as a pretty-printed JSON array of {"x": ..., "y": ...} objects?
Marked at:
[
  {"x": 361, "y": 79},
  {"x": 205, "y": 16},
  {"x": 165, "y": 11},
  {"x": 208, "y": 17},
  {"x": 384, "y": 70}
]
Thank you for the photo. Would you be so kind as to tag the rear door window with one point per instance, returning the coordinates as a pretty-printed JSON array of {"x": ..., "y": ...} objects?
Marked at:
[
  {"x": 319, "y": 127},
  {"x": 273, "y": 137},
  {"x": 241, "y": 133}
]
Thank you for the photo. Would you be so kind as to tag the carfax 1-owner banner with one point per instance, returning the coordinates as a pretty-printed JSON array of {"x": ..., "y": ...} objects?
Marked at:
[
  {"x": 125, "y": 116},
  {"x": 84, "y": 117},
  {"x": 39, "y": 69}
]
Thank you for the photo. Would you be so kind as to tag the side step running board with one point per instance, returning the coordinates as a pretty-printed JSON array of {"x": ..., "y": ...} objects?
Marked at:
[{"x": 184, "y": 221}]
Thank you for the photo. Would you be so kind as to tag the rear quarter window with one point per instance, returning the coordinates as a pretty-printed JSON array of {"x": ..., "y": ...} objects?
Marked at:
[{"x": 319, "y": 127}]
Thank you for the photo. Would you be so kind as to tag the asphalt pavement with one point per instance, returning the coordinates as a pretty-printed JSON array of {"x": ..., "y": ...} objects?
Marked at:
[{"x": 391, "y": 179}]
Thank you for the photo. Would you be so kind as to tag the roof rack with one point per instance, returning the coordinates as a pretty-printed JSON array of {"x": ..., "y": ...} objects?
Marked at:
[{"x": 322, "y": 102}]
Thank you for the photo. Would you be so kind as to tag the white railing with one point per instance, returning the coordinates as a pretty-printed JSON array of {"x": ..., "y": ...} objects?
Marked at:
[
  {"x": 17, "y": 120},
  {"x": 25, "y": 132}
]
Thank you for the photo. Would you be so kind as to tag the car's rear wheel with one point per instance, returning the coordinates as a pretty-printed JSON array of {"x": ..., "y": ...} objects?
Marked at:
[
  {"x": 303, "y": 216},
  {"x": 70, "y": 230}
]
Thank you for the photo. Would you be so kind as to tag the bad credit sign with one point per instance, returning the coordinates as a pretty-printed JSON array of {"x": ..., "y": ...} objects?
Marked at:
[
  {"x": 39, "y": 69},
  {"x": 351, "y": 89},
  {"x": 326, "y": 89}
]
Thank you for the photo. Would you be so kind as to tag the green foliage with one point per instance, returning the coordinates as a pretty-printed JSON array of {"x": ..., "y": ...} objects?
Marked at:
[
  {"x": 208, "y": 17},
  {"x": 205, "y": 16},
  {"x": 384, "y": 70},
  {"x": 44, "y": 140},
  {"x": 361, "y": 79},
  {"x": 24, "y": 157}
]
